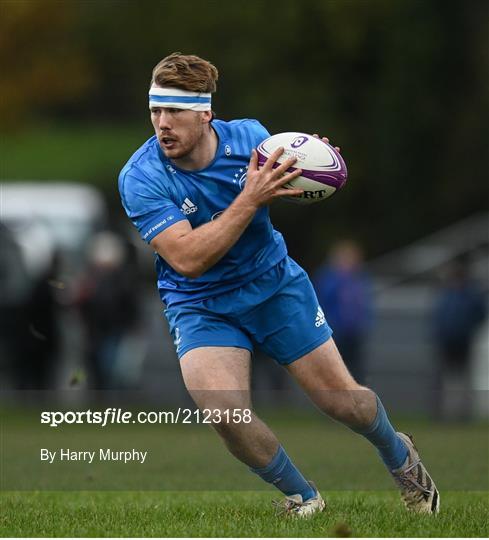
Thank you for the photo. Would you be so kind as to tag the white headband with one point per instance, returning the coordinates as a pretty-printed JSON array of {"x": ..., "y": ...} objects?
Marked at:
[{"x": 179, "y": 99}]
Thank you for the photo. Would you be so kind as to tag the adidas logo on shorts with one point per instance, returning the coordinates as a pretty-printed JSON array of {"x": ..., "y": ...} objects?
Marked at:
[
  {"x": 178, "y": 338},
  {"x": 320, "y": 319},
  {"x": 188, "y": 207}
]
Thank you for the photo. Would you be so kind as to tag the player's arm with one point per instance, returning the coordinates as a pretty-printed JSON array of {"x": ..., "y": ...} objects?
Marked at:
[{"x": 191, "y": 252}]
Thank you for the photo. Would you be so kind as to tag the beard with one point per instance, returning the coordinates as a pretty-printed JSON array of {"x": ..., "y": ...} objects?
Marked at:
[{"x": 180, "y": 146}]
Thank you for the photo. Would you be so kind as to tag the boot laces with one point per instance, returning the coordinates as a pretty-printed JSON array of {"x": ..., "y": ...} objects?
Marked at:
[
  {"x": 286, "y": 506},
  {"x": 413, "y": 491}
]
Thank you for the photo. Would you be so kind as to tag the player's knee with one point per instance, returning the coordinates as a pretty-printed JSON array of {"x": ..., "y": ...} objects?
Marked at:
[
  {"x": 343, "y": 411},
  {"x": 352, "y": 407},
  {"x": 365, "y": 406}
]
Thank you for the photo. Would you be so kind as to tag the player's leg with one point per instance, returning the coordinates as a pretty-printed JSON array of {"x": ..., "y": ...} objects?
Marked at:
[
  {"x": 323, "y": 375},
  {"x": 291, "y": 327},
  {"x": 218, "y": 378},
  {"x": 325, "y": 378}
]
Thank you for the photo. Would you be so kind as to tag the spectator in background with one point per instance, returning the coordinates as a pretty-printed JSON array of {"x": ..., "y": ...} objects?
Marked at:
[
  {"x": 344, "y": 292},
  {"x": 40, "y": 338},
  {"x": 29, "y": 330},
  {"x": 108, "y": 302},
  {"x": 459, "y": 310}
]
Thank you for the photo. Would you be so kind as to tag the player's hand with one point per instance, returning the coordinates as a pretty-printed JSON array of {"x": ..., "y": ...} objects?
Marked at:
[
  {"x": 326, "y": 140},
  {"x": 266, "y": 183}
]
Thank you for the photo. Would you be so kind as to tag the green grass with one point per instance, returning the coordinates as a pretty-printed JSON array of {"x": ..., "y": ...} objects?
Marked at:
[
  {"x": 149, "y": 514},
  {"x": 191, "y": 486}
]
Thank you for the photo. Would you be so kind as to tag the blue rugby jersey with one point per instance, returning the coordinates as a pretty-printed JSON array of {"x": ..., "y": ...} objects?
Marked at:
[{"x": 156, "y": 195}]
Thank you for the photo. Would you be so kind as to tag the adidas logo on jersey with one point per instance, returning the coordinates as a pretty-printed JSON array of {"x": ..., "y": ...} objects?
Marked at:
[
  {"x": 320, "y": 319},
  {"x": 188, "y": 207}
]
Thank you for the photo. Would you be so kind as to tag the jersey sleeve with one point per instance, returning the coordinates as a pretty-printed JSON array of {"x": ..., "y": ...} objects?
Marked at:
[
  {"x": 259, "y": 132},
  {"x": 150, "y": 211}
]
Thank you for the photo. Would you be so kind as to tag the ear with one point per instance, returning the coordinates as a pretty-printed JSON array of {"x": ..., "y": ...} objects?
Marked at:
[{"x": 206, "y": 117}]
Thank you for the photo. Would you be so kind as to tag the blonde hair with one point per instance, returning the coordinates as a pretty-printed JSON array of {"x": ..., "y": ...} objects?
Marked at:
[{"x": 186, "y": 72}]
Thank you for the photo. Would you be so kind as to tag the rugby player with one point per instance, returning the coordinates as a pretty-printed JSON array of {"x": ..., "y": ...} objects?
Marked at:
[{"x": 196, "y": 194}]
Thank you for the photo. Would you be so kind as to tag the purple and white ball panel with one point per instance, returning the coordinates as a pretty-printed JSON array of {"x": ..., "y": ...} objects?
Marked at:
[{"x": 323, "y": 168}]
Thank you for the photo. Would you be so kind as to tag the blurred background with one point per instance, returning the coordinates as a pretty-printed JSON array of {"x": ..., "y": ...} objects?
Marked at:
[{"x": 399, "y": 257}]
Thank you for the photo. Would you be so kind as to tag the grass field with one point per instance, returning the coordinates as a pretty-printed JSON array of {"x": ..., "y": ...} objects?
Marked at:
[
  {"x": 191, "y": 486},
  {"x": 147, "y": 514}
]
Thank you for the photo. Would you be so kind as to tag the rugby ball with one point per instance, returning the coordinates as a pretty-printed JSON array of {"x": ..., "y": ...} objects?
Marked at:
[{"x": 323, "y": 169}]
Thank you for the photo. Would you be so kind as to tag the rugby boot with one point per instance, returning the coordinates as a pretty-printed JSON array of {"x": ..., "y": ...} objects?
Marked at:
[
  {"x": 294, "y": 506},
  {"x": 418, "y": 491}
]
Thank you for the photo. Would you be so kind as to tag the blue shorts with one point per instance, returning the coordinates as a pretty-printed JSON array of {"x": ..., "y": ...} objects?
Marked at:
[{"x": 278, "y": 311}]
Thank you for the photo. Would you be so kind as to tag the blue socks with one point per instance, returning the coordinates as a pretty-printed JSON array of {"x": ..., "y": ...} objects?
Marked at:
[
  {"x": 283, "y": 474},
  {"x": 382, "y": 435}
]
